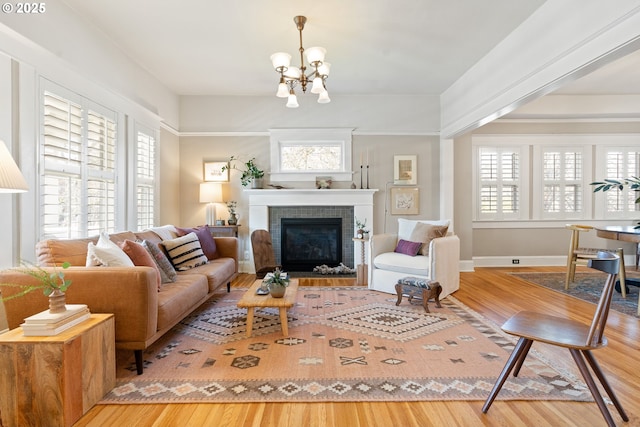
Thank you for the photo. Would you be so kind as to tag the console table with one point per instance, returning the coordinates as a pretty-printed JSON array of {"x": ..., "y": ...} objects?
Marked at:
[
  {"x": 224, "y": 230},
  {"x": 55, "y": 380}
]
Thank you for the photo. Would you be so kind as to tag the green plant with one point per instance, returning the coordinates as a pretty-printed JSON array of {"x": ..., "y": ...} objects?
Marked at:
[
  {"x": 249, "y": 170},
  {"x": 231, "y": 205},
  {"x": 49, "y": 281},
  {"x": 360, "y": 225},
  {"x": 278, "y": 277},
  {"x": 610, "y": 184}
]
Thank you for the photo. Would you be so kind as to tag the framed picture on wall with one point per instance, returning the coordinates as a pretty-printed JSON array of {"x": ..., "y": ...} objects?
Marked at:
[
  {"x": 405, "y": 201},
  {"x": 404, "y": 170},
  {"x": 213, "y": 171}
]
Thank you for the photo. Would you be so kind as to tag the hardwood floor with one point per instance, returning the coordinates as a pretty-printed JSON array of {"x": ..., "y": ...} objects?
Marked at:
[{"x": 491, "y": 292}]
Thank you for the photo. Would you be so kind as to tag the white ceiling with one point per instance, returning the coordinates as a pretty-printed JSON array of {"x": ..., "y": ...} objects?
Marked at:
[{"x": 215, "y": 47}]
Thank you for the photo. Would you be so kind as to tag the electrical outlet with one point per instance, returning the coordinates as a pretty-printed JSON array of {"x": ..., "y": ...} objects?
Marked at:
[
  {"x": 515, "y": 261},
  {"x": 246, "y": 255}
]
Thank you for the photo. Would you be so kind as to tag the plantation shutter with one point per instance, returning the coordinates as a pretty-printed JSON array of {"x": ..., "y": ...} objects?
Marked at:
[
  {"x": 78, "y": 152},
  {"x": 562, "y": 174},
  {"x": 145, "y": 178},
  {"x": 622, "y": 163},
  {"x": 499, "y": 183}
]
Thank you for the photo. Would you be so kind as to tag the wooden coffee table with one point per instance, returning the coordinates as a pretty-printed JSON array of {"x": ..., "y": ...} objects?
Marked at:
[{"x": 250, "y": 300}]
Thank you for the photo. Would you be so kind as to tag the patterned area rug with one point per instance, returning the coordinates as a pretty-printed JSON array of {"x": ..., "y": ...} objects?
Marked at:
[
  {"x": 344, "y": 344},
  {"x": 587, "y": 287}
]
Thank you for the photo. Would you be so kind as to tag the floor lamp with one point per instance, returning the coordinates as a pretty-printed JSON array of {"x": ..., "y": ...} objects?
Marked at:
[
  {"x": 11, "y": 181},
  {"x": 211, "y": 193}
]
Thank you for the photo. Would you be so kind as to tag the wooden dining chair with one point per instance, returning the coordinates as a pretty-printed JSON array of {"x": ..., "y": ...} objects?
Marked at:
[
  {"x": 576, "y": 336},
  {"x": 580, "y": 255}
]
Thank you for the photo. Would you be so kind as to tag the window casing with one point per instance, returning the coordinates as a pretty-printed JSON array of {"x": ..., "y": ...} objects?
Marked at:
[{"x": 618, "y": 162}]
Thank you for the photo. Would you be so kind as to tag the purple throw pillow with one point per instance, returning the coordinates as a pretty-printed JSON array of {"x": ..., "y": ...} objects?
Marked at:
[
  {"x": 207, "y": 243},
  {"x": 408, "y": 248}
]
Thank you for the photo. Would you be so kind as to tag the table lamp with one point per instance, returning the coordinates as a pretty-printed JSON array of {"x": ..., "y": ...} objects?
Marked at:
[{"x": 211, "y": 193}]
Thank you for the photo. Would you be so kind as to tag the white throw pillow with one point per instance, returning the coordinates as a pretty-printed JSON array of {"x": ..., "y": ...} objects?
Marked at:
[
  {"x": 185, "y": 252},
  {"x": 406, "y": 226},
  {"x": 107, "y": 253}
]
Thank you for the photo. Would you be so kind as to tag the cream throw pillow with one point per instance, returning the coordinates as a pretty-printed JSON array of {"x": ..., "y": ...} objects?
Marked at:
[
  {"x": 185, "y": 252},
  {"x": 425, "y": 233},
  {"x": 106, "y": 253}
]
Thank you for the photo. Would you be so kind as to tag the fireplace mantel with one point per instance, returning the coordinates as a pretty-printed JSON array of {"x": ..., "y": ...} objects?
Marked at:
[{"x": 261, "y": 200}]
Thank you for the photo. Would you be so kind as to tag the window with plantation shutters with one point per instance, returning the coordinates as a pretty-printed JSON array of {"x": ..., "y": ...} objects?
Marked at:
[
  {"x": 562, "y": 182},
  {"x": 620, "y": 163},
  {"x": 78, "y": 152},
  {"x": 145, "y": 178},
  {"x": 498, "y": 182}
]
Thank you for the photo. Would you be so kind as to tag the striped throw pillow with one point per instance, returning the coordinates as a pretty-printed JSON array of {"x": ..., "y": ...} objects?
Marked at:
[{"x": 185, "y": 252}]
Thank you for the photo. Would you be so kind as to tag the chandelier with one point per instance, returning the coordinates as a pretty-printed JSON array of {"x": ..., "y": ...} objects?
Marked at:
[{"x": 292, "y": 76}]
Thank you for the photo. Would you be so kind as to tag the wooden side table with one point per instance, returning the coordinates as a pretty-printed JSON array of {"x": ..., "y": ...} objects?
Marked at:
[
  {"x": 224, "y": 230},
  {"x": 361, "y": 271},
  {"x": 53, "y": 381}
]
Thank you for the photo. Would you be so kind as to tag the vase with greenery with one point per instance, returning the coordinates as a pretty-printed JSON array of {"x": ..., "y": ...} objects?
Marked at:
[
  {"x": 277, "y": 283},
  {"x": 52, "y": 283},
  {"x": 251, "y": 174},
  {"x": 632, "y": 183},
  {"x": 361, "y": 228},
  {"x": 231, "y": 207}
]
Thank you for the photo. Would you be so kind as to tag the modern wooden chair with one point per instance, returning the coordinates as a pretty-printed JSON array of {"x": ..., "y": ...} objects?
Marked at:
[
  {"x": 576, "y": 336},
  {"x": 264, "y": 259},
  {"x": 581, "y": 255}
]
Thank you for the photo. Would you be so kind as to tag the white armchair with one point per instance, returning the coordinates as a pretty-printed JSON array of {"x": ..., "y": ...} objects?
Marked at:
[{"x": 441, "y": 263}]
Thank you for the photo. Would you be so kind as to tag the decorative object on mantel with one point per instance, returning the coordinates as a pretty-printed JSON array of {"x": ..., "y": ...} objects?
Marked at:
[
  {"x": 323, "y": 182},
  {"x": 251, "y": 174},
  {"x": 362, "y": 165},
  {"x": 233, "y": 218},
  {"x": 277, "y": 282},
  {"x": 291, "y": 76},
  {"x": 278, "y": 187},
  {"x": 340, "y": 269}
]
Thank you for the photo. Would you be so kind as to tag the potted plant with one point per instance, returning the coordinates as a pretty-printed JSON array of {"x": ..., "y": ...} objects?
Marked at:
[
  {"x": 250, "y": 172},
  {"x": 231, "y": 206},
  {"x": 361, "y": 229},
  {"x": 53, "y": 284},
  {"x": 277, "y": 283},
  {"x": 610, "y": 184}
]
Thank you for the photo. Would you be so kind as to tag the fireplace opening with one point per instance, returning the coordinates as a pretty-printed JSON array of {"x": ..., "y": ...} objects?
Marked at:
[{"x": 310, "y": 242}]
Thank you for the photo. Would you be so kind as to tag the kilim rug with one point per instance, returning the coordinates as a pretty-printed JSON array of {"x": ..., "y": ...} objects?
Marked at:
[
  {"x": 587, "y": 287},
  {"x": 344, "y": 344}
]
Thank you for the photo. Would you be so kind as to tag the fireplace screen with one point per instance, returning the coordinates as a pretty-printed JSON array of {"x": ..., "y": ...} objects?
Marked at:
[{"x": 310, "y": 242}]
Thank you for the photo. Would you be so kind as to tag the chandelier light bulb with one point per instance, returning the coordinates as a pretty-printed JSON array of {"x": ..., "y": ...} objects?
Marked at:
[
  {"x": 323, "y": 70},
  {"x": 324, "y": 97},
  {"x": 292, "y": 102},
  {"x": 317, "y": 87}
]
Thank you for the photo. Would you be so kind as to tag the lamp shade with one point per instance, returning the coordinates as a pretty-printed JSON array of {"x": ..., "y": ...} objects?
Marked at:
[
  {"x": 315, "y": 54},
  {"x": 324, "y": 97},
  {"x": 323, "y": 70},
  {"x": 11, "y": 179},
  {"x": 280, "y": 59},
  {"x": 210, "y": 192}
]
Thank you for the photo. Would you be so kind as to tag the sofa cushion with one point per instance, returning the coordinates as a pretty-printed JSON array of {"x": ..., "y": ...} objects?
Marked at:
[
  {"x": 406, "y": 226},
  {"x": 408, "y": 248},
  {"x": 167, "y": 272},
  {"x": 176, "y": 300},
  {"x": 217, "y": 271},
  {"x": 106, "y": 253},
  {"x": 140, "y": 257},
  {"x": 166, "y": 232},
  {"x": 425, "y": 233},
  {"x": 149, "y": 236},
  {"x": 54, "y": 252},
  {"x": 185, "y": 252},
  {"x": 206, "y": 239},
  {"x": 411, "y": 265}
]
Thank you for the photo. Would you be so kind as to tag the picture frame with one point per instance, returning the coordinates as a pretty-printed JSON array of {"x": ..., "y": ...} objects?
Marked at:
[
  {"x": 405, "y": 201},
  {"x": 212, "y": 171},
  {"x": 405, "y": 170}
]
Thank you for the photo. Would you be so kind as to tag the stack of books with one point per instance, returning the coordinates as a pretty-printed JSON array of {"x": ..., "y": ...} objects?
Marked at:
[{"x": 46, "y": 324}]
